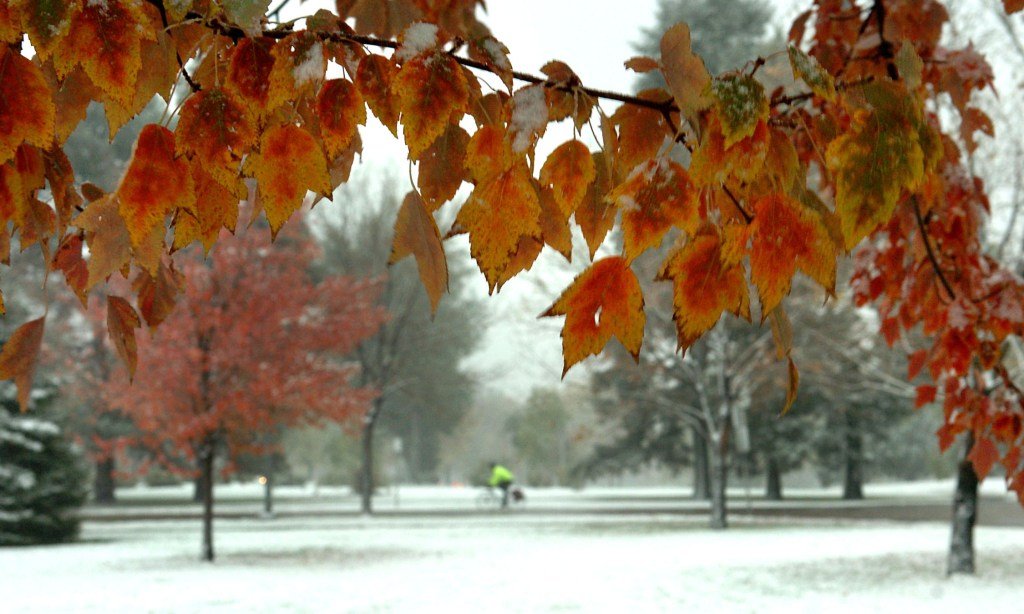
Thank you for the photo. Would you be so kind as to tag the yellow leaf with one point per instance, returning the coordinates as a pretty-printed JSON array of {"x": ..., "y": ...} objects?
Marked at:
[{"x": 416, "y": 233}]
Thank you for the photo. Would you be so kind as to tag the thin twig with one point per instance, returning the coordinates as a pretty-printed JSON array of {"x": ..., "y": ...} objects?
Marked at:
[{"x": 931, "y": 253}]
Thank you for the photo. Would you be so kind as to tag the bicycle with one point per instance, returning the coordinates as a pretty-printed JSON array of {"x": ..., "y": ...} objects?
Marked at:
[{"x": 489, "y": 498}]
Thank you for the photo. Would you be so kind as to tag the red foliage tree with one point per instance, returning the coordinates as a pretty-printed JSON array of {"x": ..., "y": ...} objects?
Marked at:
[{"x": 252, "y": 344}]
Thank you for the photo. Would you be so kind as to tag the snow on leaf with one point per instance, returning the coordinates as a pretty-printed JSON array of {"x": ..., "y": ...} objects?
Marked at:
[
  {"x": 340, "y": 109},
  {"x": 811, "y": 72},
  {"x": 26, "y": 106},
  {"x": 246, "y": 14},
  {"x": 417, "y": 39},
  {"x": 657, "y": 196},
  {"x": 374, "y": 78},
  {"x": 684, "y": 71},
  {"x": 569, "y": 170},
  {"x": 493, "y": 54},
  {"x": 431, "y": 91},
  {"x": 787, "y": 236},
  {"x": 498, "y": 213},
  {"x": 20, "y": 355},
  {"x": 46, "y": 21},
  {"x": 416, "y": 233},
  {"x": 886, "y": 151},
  {"x": 299, "y": 63},
  {"x": 289, "y": 163},
  {"x": 741, "y": 106},
  {"x": 155, "y": 184},
  {"x": 105, "y": 39},
  {"x": 442, "y": 167},
  {"x": 529, "y": 117},
  {"x": 703, "y": 286},
  {"x": 121, "y": 324},
  {"x": 217, "y": 131},
  {"x": 107, "y": 238},
  {"x": 604, "y": 301}
]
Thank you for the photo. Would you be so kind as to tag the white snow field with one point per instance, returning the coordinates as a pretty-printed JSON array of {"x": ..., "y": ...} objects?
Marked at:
[{"x": 518, "y": 561}]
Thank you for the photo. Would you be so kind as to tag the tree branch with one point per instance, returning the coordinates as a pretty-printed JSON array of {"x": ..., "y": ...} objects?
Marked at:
[{"x": 930, "y": 251}]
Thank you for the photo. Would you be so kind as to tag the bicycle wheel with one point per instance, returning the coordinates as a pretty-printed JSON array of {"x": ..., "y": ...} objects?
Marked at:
[{"x": 486, "y": 500}]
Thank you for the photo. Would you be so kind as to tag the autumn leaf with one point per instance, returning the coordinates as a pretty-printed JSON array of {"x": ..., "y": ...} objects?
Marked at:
[
  {"x": 431, "y": 91},
  {"x": 13, "y": 201},
  {"x": 657, "y": 196},
  {"x": 497, "y": 214},
  {"x": 107, "y": 237},
  {"x": 68, "y": 259},
  {"x": 122, "y": 320},
  {"x": 568, "y": 171},
  {"x": 488, "y": 153},
  {"x": 886, "y": 151},
  {"x": 983, "y": 456},
  {"x": 714, "y": 163},
  {"x": 105, "y": 39},
  {"x": 288, "y": 164},
  {"x": 442, "y": 167},
  {"x": 811, "y": 72},
  {"x": 595, "y": 215},
  {"x": 374, "y": 78},
  {"x": 416, "y": 233},
  {"x": 47, "y": 23},
  {"x": 216, "y": 130},
  {"x": 554, "y": 224},
  {"x": 216, "y": 209},
  {"x": 155, "y": 184},
  {"x": 19, "y": 357},
  {"x": 340, "y": 108},
  {"x": 493, "y": 54},
  {"x": 604, "y": 301},
  {"x": 786, "y": 236},
  {"x": 642, "y": 132},
  {"x": 249, "y": 72},
  {"x": 158, "y": 293},
  {"x": 300, "y": 63},
  {"x": 703, "y": 286},
  {"x": 684, "y": 71},
  {"x": 246, "y": 14},
  {"x": 741, "y": 106},
  {"x": 792, "y": 386},
  {"x": 26, "y": 108}
]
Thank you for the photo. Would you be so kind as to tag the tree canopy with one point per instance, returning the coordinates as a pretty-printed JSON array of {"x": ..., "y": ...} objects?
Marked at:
[{"x": 852, "y": 153}]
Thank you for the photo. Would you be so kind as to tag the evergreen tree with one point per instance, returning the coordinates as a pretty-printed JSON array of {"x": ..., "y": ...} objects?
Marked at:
[{"x": 42, "y": 484}]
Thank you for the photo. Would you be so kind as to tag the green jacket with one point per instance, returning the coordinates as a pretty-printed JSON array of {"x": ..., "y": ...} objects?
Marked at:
[{"x": 500, "y": 475}]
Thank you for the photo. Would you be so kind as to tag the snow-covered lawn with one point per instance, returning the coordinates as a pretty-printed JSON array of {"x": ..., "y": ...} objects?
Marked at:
[{"x": 513, "y": 562}]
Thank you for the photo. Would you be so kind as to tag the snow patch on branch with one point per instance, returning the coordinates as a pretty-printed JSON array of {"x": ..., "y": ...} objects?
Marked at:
[
  {"x": 417, "y": 38},
  {"x": 529, "y": 117}
]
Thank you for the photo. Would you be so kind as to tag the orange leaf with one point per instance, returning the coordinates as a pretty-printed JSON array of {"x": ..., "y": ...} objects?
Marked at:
[
  {"x": 217, "y": 131},
  {"x": 442, "y": 167},
  {"x": 249, "y": 72},
  {"x": 121, "y": 324},
  {"x": 642, "y": 131},
  {"x": 497, "y": 215},
  {"x": 431, "y": 91},
  {"x": 488, "y": 153},
  {"x": 703, "y": 286},
  {"x": 714, "y": 163},
  {"x": 158, "y": 293},
  {"x": 925, "y": 395},
  {"x": 340, "y": 108},
  {"x": 595, "y": 215},
  {"x": 26, "y": 105},
  {"x": 300, "y": 63},
  {"x": 684, "y": 71},
  {"x": 787, "y": 236},
  {"x": 915, "y": 362},
  {"x": 216, "y": 208},
  {"x": 984, "y": 455},
  {"x": 13, "y": 201},
  {"x": 47, "y": 23},
  {"x": 105, "y": 38},
  {"x": 154, "y": 185},
  {"x": 554, "y": 224},
  {"x": 792, "y": 387},
  {"x": 69, "y": 260},
  {"x": 569, "y": 170},
  {"x": 289, "y": 163},
  {"x": 656, "y": 196},
  {"x": 107, "y": 237},
  {"x": 416, "y": 233},
  {"x": 19, "y": 357},
  {"x": 602, "y": 302},
  {"x": 374, "y": 78}
]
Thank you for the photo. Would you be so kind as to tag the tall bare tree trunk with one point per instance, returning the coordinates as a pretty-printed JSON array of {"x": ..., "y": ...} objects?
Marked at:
[
  {"x": 773, "y": 481},
  {"x": 366, "y": 485},
  {"x": 965, "y": 514},
  {"x": 206, "y": 470},
  {"x": 719, "y": 476},
  {"x": 103, "y": 485},
  {"x": 853, "y": 475},
  {"x": 701, "y": 468}
]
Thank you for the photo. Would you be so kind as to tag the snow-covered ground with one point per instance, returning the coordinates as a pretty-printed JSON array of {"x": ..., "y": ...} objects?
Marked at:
[{"x": 513, "y": 562}]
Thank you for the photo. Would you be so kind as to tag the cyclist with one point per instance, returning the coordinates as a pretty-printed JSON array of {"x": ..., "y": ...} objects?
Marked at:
[{"x": 501, "y": 478}]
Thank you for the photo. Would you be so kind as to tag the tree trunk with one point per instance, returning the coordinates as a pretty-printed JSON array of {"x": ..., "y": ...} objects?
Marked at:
[
  {"x": 198, "y": 488},
  {"x": 206, "y": 470},
  {"x": 701, "y": 469},
  {"x": 366, "y": 475},
  {"x": 965, "y": 513},
  {"x": 268, "y": 489},
  {"x": 103, "y": 486},
  {"x": 853, "y": 476},
  {"x": 719, "y": 476},
  {"x": 773, "y": 483}
]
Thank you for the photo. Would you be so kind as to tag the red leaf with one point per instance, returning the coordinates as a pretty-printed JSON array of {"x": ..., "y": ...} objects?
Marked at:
[
  {"x": 19, "y": 357},
  {"x": 984, "y": 455}
]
